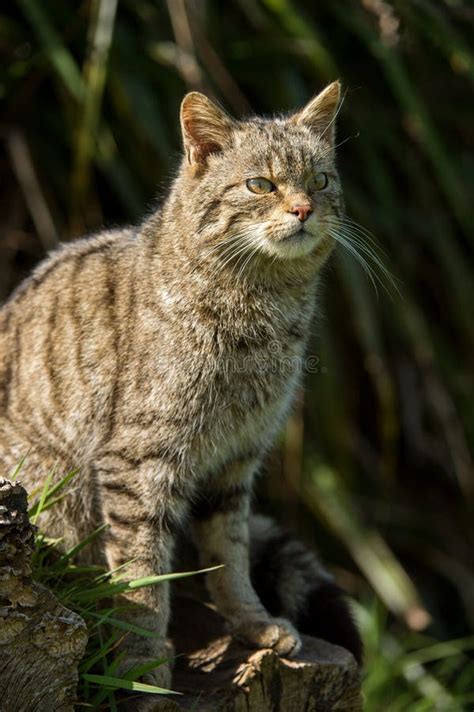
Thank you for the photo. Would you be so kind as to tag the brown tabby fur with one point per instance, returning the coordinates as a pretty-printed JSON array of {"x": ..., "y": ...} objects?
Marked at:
[{"x": 162, "y": 364}]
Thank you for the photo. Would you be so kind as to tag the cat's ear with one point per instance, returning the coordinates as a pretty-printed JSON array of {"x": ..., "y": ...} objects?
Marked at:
[
  {"x": 319, "y": 114},
  {"x": 206, "y": 128}
]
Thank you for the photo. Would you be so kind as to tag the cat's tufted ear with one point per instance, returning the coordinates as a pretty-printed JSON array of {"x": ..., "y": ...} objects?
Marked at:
[
  {"x": 320, "y": 112},
  {"x": 206, "y": 128}
]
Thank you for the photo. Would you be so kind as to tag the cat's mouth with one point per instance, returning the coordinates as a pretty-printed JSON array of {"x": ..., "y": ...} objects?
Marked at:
[
  {"x": 291, "y": 241},
  {"x": 298, "y": 235},
  {"x": 297, "y": 243}
]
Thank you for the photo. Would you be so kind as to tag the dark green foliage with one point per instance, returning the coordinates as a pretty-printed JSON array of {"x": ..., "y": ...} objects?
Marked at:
[{"x": 376, "y": 465}]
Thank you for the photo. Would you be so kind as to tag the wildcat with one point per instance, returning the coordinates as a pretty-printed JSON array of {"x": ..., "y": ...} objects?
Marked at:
[{"x": 162, "y": 361}]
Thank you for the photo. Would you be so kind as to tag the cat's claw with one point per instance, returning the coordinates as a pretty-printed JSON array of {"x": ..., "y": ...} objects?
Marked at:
[{"x": 275, "y": 633}]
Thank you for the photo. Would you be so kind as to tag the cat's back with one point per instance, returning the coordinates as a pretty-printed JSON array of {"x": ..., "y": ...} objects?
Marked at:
[
  {"x": 49, "y": 346},
  {"x": 49, "y": 275}
]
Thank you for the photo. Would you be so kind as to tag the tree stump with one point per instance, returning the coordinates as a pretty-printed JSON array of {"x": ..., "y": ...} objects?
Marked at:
[
  {"x": 218, "y": 674},
  {"x": 41, "y": 642}
]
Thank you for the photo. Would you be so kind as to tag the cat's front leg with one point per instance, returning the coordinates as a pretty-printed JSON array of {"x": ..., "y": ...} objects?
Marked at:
[
  {"x": 142, "y": 520},
  {"x": 220, "y": 527}
]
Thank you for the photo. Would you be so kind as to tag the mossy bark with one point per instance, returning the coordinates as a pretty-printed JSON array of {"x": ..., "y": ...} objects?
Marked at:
[{"x": 41, "y": 641}]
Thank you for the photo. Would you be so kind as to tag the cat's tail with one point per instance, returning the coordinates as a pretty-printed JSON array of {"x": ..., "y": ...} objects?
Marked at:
[{"x": 292, "y": 583}]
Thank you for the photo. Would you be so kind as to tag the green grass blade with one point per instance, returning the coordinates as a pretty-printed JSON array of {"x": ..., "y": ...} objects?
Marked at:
[
  {"x": 118, "y": 683},
  {"x": 61, "y": 59},
  {"x": 113, "y": 589},
  {"x": 36, "y": 510},
  {"x": 122, "y": 625},
  {"x": 95, "y": 74},
  {"x": 18, "y": 468},
  {"x": 73, "y": 551}
]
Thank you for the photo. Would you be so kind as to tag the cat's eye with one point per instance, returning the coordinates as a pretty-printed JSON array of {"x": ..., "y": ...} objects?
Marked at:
[
  {"x": 319, "y": 181},
  {"x": 260, "y": 185}
]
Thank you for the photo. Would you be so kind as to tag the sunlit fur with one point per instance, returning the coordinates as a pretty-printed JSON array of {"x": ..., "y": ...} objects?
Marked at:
[
  {"x": 162, "y": 361},
  {"x": 229, "y": 229}
]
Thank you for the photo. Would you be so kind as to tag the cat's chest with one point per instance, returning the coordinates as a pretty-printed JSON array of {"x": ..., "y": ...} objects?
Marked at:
[
  {"x": 216, "y": 387},
  {"x": 252, "y": 387},
  {"x": 252, "y": 405}
]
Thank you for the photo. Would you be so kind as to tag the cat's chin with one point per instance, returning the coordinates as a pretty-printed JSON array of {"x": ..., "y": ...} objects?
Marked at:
[{"x": 297, "y": 244}]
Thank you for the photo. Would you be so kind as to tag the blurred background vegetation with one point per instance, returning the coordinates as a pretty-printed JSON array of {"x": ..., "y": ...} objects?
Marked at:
[{"x": 375, "y": 465}]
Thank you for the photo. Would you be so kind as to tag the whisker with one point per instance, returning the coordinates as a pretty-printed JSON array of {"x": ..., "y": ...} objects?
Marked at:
[
  {"x": 219, "y": 267},
  {"x": 239, "y": 251},
  {"x": 360, "y": 259},
  {"x": 368, "y": 250},
  {"x": 338, "y": 145},
  {"x": 360, "y": 240},
  {"x": 345, "y": 220},
  {"x": 335, "y": 115},
  {"x": 366, "y": 242},
  {"x": 228, "y": 239},
  {"x": 229, "y": 245},
  {"x": 237, "y": 254},
  {"x": 252, "y": 254}
]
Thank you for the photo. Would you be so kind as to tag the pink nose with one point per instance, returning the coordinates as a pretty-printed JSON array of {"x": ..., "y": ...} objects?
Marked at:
[{"x": 302, "y": 211}]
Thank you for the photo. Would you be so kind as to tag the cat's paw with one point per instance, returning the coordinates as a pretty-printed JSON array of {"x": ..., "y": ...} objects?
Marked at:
[{"x": 276, "y": 633}]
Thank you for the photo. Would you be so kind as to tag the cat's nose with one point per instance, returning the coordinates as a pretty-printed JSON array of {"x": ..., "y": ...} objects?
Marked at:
[{"x": 303, "y": 211}]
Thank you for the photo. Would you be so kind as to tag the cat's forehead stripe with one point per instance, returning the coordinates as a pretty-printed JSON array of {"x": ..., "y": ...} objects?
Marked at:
[{"x": 278, "y": 148}]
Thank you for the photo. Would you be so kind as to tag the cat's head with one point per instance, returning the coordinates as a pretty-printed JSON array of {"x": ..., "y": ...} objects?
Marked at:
[{"x": 266, "y": 186}]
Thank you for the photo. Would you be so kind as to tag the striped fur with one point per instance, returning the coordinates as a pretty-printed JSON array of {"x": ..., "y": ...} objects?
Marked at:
[{"x": 162, "y": 360}]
